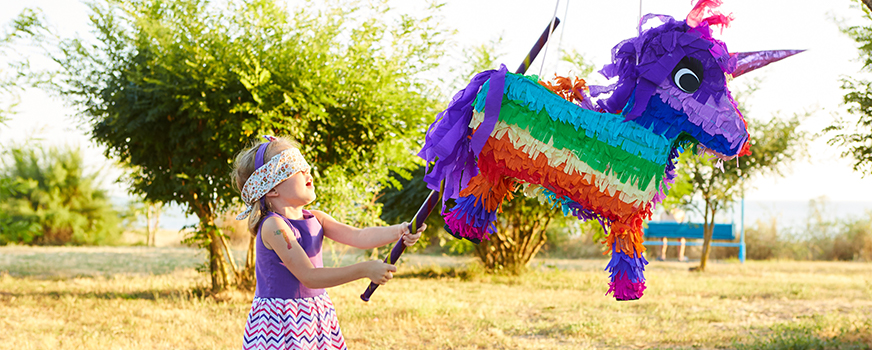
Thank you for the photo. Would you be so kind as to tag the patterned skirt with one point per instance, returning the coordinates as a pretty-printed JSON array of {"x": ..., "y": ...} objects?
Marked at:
[{"x": 306, "y": 323}]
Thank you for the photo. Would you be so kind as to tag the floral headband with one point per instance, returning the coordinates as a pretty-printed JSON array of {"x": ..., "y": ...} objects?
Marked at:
[{"x": 269, "y": 175}]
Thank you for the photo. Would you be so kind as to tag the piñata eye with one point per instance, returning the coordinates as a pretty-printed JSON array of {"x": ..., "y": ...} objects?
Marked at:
[{"x": 687, "y": 74}]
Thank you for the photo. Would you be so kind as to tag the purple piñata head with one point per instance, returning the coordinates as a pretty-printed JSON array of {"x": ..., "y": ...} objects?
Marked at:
[{"x": 672, "y": 80}]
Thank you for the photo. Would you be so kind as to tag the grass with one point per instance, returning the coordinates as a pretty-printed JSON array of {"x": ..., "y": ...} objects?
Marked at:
[{"x": 132, "y": 298}]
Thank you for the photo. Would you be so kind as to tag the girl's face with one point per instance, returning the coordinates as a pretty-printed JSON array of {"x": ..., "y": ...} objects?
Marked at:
[{"x": 297, "y": 190}]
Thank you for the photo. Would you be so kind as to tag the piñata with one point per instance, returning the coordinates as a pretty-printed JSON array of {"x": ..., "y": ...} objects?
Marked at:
[{"x": 611, "y": 159}]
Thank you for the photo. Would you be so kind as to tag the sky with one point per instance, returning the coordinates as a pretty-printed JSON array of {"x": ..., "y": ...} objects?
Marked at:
[{"x": 808, "y": 81}]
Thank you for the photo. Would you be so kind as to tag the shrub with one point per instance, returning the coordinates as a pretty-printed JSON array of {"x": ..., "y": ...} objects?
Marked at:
[{"x": 46, "y": 198}]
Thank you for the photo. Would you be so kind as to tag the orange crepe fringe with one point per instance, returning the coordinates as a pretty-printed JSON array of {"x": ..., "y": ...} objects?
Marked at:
[
  {"x": 491, "y": 194},
  {"x": 566, "y": 88},
  {"x": 499, "y": 159}
]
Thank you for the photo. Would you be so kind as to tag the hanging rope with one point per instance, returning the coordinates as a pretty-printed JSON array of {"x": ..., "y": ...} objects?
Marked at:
[
  {"x": 548, "y": 41},
  {"x": 560, "y": 41},
  {"x": 639, "y": 22}
]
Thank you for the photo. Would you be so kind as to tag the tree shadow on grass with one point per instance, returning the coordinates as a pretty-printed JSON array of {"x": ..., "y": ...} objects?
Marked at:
[
  {"x": 435, "y": 273},
  {"x": 132, "y": 295}
]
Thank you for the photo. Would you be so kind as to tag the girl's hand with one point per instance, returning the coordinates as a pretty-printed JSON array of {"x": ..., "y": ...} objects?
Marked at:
[
  {"x": 408, "y": 238},
  {"x": 379, "y": 272}
]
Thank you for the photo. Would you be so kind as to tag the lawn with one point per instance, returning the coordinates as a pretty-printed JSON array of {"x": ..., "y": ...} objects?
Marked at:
[{"x": 137, "y": 297}]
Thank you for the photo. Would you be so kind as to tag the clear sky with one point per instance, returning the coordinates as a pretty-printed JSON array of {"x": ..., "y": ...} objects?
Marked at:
[{"x": 810, "y": 80}]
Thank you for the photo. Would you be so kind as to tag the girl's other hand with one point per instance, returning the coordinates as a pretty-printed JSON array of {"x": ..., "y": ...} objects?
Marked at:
[
  {"x": 408, "y": 238},
  {"x": 379, "y": 272}
]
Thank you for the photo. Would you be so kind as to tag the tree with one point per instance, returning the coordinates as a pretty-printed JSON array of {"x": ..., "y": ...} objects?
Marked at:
[
  {"x": 14, "y": 76},
  {"x": 520, "y": 235},
  {"x": 173, "y": 89},
  {"x": 46, "y": 198},
  {"x": 151, "y": 211},
  {"x": 774, "y": 144},
  {"x": 152, "y": 222},
  {"x": 858, "y": 139},
  {"x": 401, "y": 203}
]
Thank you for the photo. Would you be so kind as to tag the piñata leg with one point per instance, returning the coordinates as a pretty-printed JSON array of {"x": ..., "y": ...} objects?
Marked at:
[
  {"x": 627, "y": 266},
  {"x": 475, "y": 213}
]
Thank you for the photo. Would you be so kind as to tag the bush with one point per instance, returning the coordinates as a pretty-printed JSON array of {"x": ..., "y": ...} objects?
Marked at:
[
  {"x": 761, "y": 240},
  {"x": 848, "y": 239},
  {"x": 47, "y": 199},
  {"x": 576, "y": 240}
]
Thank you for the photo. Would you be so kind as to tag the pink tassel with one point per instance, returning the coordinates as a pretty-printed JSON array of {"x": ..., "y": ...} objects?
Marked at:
[{"x": 623, "y": 289}]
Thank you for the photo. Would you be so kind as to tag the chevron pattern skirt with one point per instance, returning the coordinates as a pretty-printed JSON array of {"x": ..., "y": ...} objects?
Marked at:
[{"x": 306, "y": 323}]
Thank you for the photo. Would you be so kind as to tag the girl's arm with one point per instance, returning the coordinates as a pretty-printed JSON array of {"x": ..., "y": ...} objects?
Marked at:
[
  {"x": 276, "y": 233},
  {"x": 366, "y": 238}
]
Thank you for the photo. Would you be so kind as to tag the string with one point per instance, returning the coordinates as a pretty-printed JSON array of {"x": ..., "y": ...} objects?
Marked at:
[
  {"x": 640, "y": 13},
  {"x": 548, "y": 38},
  {"x": 560, "y": 41}
]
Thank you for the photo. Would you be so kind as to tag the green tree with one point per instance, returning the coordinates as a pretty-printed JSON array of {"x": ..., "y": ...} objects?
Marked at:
[
  {"x": 12, "y": 66},
  {"x": 174, "y": 89},
  {"x": 701, "y": 187},
  {"x": 580, "y": 67},
  {"x": 47, "y": 198},
  {"x": 521, "y": 233},
  {"x": 857, "y": 139},
  {"x": 151, "y": 211}
]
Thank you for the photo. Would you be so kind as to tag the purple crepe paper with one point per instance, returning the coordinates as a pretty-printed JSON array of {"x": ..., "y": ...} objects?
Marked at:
[{"x": 446, "y": 143}]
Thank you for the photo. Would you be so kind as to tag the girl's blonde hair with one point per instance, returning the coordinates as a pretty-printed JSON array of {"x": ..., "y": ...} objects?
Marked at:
[{"x": 243, "y": 167}]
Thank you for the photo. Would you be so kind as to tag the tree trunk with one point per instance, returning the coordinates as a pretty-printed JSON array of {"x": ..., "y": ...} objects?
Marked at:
[
  {"x": 158, "y": 207},
  {"x": 246, "y": 278},
  {"x": 147, "y": 224},
  {"x": 217, "y": 264},
  {"x": 218, "y": 269},
  {"x": 868, "y": 4},
  {"x": 230, "y": 258},
  {"x": 707, "y": 229},
  {"x": 517, "y": 241}
]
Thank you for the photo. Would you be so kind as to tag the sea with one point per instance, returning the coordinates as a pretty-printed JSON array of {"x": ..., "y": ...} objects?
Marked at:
[{"x": 790, "y": 215}]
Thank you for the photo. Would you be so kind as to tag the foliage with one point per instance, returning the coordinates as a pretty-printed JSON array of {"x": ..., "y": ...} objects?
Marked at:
[
  {"x": 174, "y": 89},
  {"x": 401, "y": 205},
  {"x": 857, "y": 139},
  {"x": 12, "y": 72},
  {"x": 575, "y": 239},
  {"x": 521, "y": 233},
  {"x": 702, "y": 187},
  {"x": 820, "y": 238},
  {"x": 151, "y": 211},
  {"x": 580, "y": 67},
  {"x": 47, "y": 198}
]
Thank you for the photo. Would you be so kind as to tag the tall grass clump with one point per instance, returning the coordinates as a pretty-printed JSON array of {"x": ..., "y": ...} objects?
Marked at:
[{"x": 821, "y": 237}]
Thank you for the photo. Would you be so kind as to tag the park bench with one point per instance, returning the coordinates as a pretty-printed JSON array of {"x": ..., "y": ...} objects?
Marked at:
[{"x": 684, "y": 231}]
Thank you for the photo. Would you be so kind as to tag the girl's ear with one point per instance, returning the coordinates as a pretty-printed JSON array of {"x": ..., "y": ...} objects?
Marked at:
[{"x": 272, "y": 193}]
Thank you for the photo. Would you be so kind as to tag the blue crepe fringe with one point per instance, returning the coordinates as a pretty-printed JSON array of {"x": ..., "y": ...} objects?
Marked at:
[{"x": 624, "y": 265}]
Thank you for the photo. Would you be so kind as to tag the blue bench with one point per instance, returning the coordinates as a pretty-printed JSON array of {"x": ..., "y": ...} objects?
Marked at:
[{"x": 682, "y": 231}]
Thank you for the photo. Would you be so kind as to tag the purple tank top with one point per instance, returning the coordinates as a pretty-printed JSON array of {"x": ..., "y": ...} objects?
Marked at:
[{"x": 274, "y": 280}]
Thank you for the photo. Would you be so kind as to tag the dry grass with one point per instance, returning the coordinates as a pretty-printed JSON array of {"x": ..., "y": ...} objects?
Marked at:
[{"x": 126, "y": 298}]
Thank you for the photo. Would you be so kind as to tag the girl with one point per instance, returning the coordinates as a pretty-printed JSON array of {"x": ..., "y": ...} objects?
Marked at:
[{"x": 291, "y": 310}]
